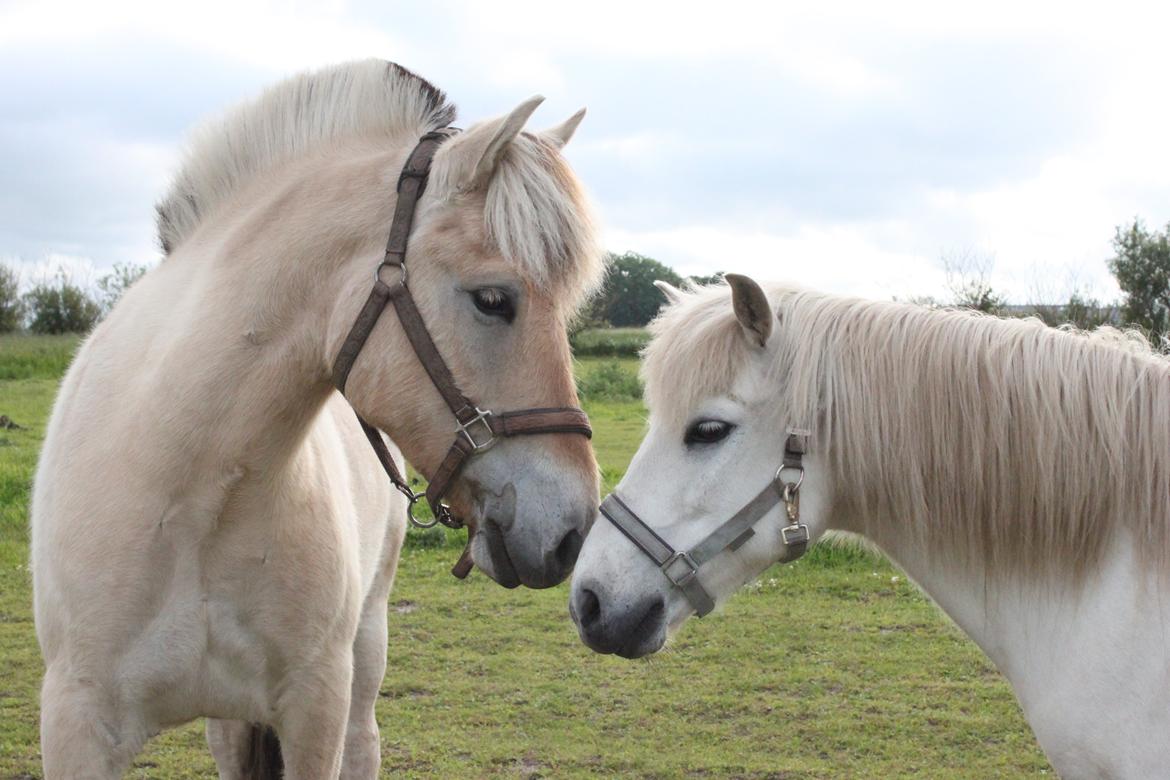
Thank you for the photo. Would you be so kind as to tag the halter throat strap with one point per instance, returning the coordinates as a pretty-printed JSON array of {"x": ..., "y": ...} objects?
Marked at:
[
  {"x": 476, "y": 429},
  {"x": 682, "y": 568}
]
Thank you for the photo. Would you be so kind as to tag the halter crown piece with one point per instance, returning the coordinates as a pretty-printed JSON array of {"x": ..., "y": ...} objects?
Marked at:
[
  {"x": 682, "y": 568},
  {"x": 476, "y": 429}
]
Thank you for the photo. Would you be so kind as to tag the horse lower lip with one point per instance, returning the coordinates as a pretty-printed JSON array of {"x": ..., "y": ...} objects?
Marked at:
[
  {"x": 640, "y": 647},
  {"x": 502, "y": 565},
  {"x": 643, "y": 643},
  {"x": 633, "y": 653}
]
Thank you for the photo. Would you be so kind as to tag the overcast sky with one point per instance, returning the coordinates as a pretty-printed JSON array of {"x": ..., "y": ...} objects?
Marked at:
[{"x": 849, "y": 147}]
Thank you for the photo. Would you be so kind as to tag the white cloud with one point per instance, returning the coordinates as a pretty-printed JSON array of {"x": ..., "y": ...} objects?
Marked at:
[
  {"x": 847, "y": 145},
  {"x": 276, "y": 36},
  {"x": 79, "y": 270},
  {"x": 845, "y": 259}
]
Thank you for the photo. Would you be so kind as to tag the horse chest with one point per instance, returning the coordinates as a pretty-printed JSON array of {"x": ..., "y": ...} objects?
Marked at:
[{"x": 259, "y": 592}]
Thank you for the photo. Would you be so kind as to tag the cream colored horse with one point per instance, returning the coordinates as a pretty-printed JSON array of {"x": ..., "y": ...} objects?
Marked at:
[
  {"x": 212, "y": 535},
  {"x": 1020, "y": 474}
]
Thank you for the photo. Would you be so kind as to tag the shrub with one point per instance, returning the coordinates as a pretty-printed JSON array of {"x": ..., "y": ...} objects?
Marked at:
[
  {"x": 11, "y": 306},
  {"x": 611, "y": 381},
  {"x": 60, "y": 306},
  {"x": 609, "y": 342},
  {"x": 1141, "y": 265}
]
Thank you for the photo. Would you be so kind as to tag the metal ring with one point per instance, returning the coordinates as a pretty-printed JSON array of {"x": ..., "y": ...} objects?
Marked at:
[
  {"x": 419, "y": 523},
  {"x": 414, "y": 499},
  {"x": 793, "y": 485},
  {"x": 384, "y": 264}
]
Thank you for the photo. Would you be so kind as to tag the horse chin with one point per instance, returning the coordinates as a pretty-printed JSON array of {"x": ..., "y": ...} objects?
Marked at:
[
  {"x": 644, "y": 646},
  {"x": 490, "y": 554}
]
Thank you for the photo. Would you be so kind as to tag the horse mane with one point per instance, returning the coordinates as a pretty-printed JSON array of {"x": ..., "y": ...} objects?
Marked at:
[
  {"x": 535, "y": 211},
  {"x": 1003, "y": 441},
  {"x": 293, "y": 118}
]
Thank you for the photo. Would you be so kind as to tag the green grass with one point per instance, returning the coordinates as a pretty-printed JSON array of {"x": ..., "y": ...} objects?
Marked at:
[
  {"x": 833, "y": 666},
  {"x": 23, "y": 356}
]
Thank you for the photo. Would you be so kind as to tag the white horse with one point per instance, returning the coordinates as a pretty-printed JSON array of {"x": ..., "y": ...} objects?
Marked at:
[
  {"x": 1019, "y": 474},
  {"x": 211, "y": 533}
]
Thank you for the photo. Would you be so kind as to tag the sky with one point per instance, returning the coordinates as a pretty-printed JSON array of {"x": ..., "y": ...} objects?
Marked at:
[{"x": 850, "y": 147}]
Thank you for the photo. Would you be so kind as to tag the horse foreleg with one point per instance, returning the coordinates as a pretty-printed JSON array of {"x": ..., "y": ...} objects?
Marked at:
[
  {"x": 83, "y": 734},
  {"x": 312, "y": 720},
  {"x": 363, "y": 748}
]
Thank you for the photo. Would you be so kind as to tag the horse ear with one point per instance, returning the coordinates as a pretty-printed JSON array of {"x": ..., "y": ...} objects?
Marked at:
[
  {"x": 479, "y": 150},
  {"x": 751, "y": 308},
  {"x": 560, "y": 134},
  {"x": 672, "y": 294}
]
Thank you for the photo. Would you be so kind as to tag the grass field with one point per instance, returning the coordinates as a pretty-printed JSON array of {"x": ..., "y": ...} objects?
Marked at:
[{"x": 834, "y": 666}]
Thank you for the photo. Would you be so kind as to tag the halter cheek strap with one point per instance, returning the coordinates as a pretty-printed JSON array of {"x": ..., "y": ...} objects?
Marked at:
[
  {"x": 476, "y": 429},
  {"x": 682, "y": 568}
]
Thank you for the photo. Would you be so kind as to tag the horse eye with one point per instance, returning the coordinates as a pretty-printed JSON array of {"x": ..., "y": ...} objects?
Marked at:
[
  {"x": 494, "y": 302},
  {"x": 707, "y": 432}
]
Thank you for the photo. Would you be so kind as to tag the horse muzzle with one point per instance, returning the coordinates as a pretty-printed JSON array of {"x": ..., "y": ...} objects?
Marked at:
[{"x": 631, "y": 629}]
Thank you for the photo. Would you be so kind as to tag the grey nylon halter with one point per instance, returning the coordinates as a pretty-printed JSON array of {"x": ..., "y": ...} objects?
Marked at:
[{"x": 682, "y": 568}]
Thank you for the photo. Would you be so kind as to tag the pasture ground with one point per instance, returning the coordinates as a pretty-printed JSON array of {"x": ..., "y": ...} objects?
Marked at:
[{"x": 834, "y": 666}]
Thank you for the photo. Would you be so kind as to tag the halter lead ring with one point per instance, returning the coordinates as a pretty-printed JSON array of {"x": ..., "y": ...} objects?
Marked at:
[
  {"x": 476, "y": 429},
  {"x": 682, "y": 567}
]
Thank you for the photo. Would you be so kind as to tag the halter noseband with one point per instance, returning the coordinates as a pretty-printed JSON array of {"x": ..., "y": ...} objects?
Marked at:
[
  {"x": 476, "y": 429},
  {"x": 682, "y": 568}
]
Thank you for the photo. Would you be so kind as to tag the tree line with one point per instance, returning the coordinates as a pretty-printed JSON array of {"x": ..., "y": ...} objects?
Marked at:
[
  {"x": 1140, "y": 263},
  {"x": 58, "y": 303}
]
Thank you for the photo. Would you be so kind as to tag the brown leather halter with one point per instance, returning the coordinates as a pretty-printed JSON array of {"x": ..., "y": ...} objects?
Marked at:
[{"x": 476, "y": 429}]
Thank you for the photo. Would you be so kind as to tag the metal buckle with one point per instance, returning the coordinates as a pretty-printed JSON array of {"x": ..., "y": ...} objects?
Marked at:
[
  {"x": 481, "y": 417},
  {"x": 796, "y": 533},
  {"x": 447, "y": 519},
  {"x": 685, "y": 577}
]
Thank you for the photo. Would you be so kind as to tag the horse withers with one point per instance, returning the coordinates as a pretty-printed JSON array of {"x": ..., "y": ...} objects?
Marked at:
[
  {"x": 211, "y": 533},
  {"x": 1020, "y": 474}
]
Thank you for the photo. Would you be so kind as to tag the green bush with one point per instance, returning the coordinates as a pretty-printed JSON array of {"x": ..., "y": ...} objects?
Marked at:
[
  {"x": 1141, "y": 265},
  {"x": 11, "y": 306},
  {"x": 609, "y": 342},
  {"x": 60, "y": 306},
  {"x": 610, "y": 381}
]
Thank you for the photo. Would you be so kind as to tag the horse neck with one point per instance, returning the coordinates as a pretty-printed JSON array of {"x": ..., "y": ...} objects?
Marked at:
[
  {"x": 983, "y": 607},
  {"x": 245, "y": 333}
]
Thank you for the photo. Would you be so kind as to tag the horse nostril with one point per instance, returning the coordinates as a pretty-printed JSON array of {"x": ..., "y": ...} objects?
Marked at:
[
  {"x": 567, "y": 550},
  {"x": 588, "y": 610}
]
